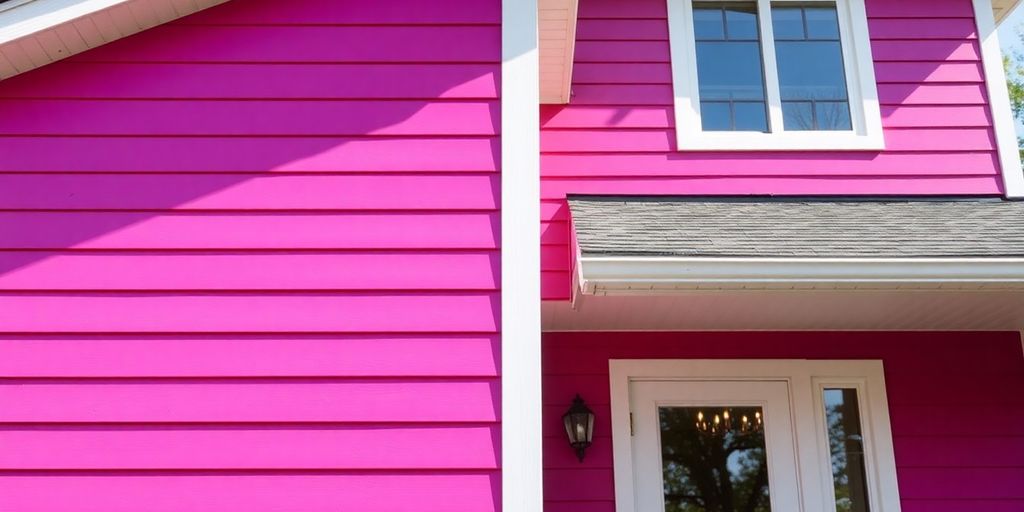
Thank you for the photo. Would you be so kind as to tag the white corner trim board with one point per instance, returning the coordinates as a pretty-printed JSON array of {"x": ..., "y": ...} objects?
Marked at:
[
  {"x": 999, "y": 100},
  {"x": 521, "y": 475},
  {"x": 607, "y": 275}
]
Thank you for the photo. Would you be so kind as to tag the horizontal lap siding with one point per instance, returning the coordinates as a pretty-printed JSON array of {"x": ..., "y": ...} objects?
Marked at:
[
  {"x": 954, "y": 400},
  {"x": 249, "y": 260},
  {"x": 617, "y": 134}
]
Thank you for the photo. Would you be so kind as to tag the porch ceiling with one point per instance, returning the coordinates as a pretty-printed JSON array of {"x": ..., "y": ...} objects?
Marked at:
[{"x": 791, "y": 309}]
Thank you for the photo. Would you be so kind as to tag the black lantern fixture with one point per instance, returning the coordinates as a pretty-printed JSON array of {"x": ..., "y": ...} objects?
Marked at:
[{"x": 579, "y": 426}]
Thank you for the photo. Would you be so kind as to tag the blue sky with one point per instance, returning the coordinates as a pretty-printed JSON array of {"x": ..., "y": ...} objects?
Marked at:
[{"x": 1008, "y": 28}]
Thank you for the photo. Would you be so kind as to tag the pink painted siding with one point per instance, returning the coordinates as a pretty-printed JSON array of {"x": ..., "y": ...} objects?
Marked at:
[
  {"x": 954, "y": 400},
  {"x": 249, "y": 262},
  {"x": 617, "y": 135}
]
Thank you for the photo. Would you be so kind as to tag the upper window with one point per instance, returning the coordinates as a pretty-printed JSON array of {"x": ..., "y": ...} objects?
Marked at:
[{"x": 773, "y": 75}]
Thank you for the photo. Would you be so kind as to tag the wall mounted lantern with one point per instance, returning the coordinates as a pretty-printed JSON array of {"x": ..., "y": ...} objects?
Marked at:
[{"x": 579, "y": 426}]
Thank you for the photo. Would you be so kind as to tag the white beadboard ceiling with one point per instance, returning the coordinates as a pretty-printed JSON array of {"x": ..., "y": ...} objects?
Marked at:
[
  {"x": 34, "y": 33},
  {"x": 1002, "y": 8},
  {"x": 557, "y": 32},
  {"x": 793, "y": 309}
]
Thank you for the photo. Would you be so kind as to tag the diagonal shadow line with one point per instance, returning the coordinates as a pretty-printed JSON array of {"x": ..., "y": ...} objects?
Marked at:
[{"x": 93, "y": 192}]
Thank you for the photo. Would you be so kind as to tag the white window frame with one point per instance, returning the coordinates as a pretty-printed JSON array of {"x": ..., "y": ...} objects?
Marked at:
[
  {"x": 865, "y": 112},
  {"x": 807, "y": 380}
]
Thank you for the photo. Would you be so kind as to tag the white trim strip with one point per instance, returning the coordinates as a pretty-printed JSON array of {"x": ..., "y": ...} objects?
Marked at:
[
  {"x": 607, "y": 274},
  {"x": 521, "y": 477},
  {"x": 999, "y": 100}
]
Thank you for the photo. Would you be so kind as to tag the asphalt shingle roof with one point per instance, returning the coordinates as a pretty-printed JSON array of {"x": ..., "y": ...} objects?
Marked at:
[{"x": 635, "y": 226}]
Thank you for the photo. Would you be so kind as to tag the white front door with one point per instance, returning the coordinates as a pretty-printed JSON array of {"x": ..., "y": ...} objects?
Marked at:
[{"x": 714, "y": 446}]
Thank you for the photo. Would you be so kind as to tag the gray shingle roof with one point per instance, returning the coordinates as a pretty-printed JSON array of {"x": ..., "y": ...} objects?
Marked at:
[{"x": 797, "y": 228}]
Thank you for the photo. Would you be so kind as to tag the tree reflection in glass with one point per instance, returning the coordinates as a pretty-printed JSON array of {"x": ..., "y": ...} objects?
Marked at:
[
  {"x": 846, "y": 444},
  {"x": 711, "y": 466}
]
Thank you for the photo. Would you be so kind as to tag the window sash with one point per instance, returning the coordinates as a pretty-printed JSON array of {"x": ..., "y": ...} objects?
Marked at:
[
  {"x": 773, "y": 88},
  {"x": 860, "y": 385}
]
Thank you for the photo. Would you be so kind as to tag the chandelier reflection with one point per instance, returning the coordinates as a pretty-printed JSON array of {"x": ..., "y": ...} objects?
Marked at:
[{"x": 725, "y": 421}]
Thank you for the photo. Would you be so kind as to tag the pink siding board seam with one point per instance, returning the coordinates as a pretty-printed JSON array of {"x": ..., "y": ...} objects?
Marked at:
[{"x": 251, "y": 263}]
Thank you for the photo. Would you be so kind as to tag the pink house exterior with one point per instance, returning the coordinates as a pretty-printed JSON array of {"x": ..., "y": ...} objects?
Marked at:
[{"x": 274, "y": 256}]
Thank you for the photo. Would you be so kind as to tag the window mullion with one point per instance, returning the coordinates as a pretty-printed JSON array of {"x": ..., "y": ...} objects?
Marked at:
[{"x": 771, "y": 69}]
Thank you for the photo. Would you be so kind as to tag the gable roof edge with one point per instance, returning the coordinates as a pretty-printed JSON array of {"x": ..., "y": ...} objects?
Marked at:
[{"x": 38, "y": 32}]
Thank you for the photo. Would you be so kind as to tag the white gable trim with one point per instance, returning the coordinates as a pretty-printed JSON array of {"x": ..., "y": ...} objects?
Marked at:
[
  {"x": 999, "y": 100},
  {"x": 39, "y": 32}
]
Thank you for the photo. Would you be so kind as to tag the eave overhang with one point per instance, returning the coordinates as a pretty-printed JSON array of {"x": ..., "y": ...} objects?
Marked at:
[
  {"x": 1002, "y": 8},
  {"x": 557, "y": 32},
  {"x": 793, "y": 264},
  {"x": 34, "y": 33}
]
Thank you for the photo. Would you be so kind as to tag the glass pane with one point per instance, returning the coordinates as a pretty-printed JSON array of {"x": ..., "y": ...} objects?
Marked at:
[
  {"x": 741, "y": 21},
  {"x": 788, "y": 23},
  {"x": 846, "y": 444},
  {"x": 714, "y": 459},
  {"x": 798, "y": 115},
  {"x": 729, "y": 66},
  {"x": 708, "y": 21},
  {"x": 832, "y": 115},
  {"x": 812, "y": 79},
  {"x": 822, "y": 23},
  {"x": 715, "y": 116},
  {"x": 811, "y": 70},
  {"x": 730, "y": 70},
  {"x": 750, "y": 116}
]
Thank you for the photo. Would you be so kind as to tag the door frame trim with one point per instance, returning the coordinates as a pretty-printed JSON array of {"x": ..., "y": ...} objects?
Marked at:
[{"x": 805, "y": 377}]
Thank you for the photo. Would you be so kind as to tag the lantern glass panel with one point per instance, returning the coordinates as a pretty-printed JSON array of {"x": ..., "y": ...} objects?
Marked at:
[{"x": 579, "y": 427}]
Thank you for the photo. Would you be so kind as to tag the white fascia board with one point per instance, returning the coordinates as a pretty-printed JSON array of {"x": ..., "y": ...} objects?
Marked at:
[
  {"x": 609, "y": 274},
  {"x": 38, "y": 15}
]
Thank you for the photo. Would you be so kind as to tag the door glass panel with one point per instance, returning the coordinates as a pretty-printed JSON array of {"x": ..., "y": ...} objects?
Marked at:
[
  {"x": 714, "y": 459},
  {"x": 846, "y": 444}
]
